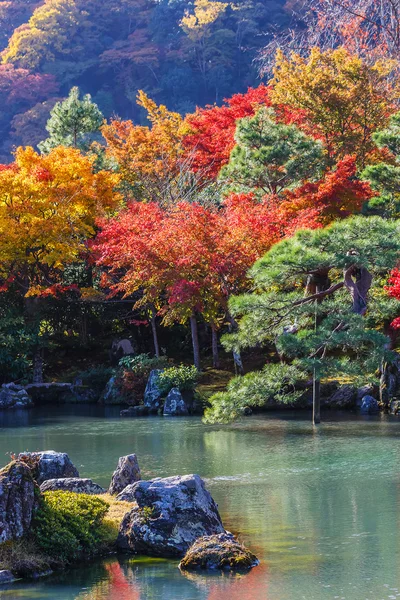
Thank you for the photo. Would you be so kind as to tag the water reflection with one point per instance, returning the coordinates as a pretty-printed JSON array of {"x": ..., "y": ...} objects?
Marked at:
[{"x": 320, "y": 510}]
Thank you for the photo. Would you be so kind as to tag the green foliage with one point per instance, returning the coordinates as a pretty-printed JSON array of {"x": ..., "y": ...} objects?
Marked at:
[
  {"x": 142, "y": 364},
  {"x": 68, "y": 525},
  {"x": 96, "y": 378},
  {"x": 384, "y": 177},
  {"x": 16, "y": 343},
  {"x": 331, "y": 337},
  {"x": 270, "y": 157},
  {"x": 182, "y": 377},
  {"x": 72, "y": 122}
]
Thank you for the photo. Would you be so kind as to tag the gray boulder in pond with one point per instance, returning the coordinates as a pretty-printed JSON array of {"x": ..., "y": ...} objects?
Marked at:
[
  {"x": 6, "y": 577},
  {"x": 72, "y": 484},
  {"x": 170, "y": 515},
  {"x": 152, "y": 393},
  {"x": 14, "y": 396},
  {"x": 127, "y": 472},
  {"x": 175, "y": 405},
  {"x": 369, "y": 406},
  {"x": 17, "y": 500},
  {"x": 50, "y": 465},
  {"x": 345, "y": 396},
  {"x": 135, "y": 411},
  {"x": 222, "y": 551}
]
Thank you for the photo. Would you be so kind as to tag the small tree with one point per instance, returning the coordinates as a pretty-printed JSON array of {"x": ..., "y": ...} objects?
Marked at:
[
  {"x": 311, "y": 296},
  {"x": 73, "y": 122},
  {"x": 270, "y": 157}
]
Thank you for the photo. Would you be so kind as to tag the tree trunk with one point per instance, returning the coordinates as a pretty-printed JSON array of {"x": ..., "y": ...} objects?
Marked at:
[
  {"x": 154, "y": 330},
  {"x": 214, "y": 338},
  {"x": 237, "y": 359},
  {"x": 316, "y": 399},
  {"x": 195, "y": 341},
  {"x": 38, "y": 366}
]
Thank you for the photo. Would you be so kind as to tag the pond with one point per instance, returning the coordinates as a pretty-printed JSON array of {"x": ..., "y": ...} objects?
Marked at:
[{"x": 320, "y": 508}]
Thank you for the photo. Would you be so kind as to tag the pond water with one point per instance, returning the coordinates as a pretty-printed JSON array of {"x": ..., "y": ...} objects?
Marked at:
[{"x": 321, "y": 508}]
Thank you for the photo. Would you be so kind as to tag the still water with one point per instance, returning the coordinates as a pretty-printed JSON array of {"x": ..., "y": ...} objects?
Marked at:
[{"x": 321, "y": 508}]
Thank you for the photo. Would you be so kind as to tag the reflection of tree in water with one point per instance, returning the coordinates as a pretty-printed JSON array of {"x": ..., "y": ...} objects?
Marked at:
[{"x": 117, "y": 586}]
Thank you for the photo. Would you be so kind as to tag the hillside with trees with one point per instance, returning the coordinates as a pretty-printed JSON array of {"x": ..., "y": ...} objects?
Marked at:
[{"x": 183, "y": 54}]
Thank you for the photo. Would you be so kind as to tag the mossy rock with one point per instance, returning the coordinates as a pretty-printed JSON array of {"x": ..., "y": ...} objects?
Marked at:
[{"x": 222, "y": 551}]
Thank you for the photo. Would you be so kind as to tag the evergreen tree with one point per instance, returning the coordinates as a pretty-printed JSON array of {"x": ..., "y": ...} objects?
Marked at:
[
  {"x": 385, "y": 177},
  {"x": 73, "y": 122},
  {"x": 310, "y": 298},
  {"x": 270, "y": 157}
]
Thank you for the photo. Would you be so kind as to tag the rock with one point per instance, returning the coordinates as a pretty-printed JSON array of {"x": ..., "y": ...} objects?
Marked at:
[
  {"x": 222, "y": 551},
  {"x": 170, "y": 515},
  {"x": 174, "y": 405},
  {"x": 366, "y": 390},
  {"x": 17, "y": 500},
  {"x": 344, "y": 397},
  {"x": 111, "y": 394},
  {"x": 49, "y": 465},
  {"x": 369, "y": 406},
  {"x": 127, "y": 472},
  {"x": 395, "y": 407},
  {"x": 135, "y": 411},
  {"x": 152, "y": 393},
  {"x": 50, "y": 393},
  {"x": 6, "y": 577},
  {"x": 14, "y": 396},
  {"x": 72, "y": 484}
]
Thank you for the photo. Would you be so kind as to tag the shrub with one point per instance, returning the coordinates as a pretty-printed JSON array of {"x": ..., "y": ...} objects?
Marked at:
[
  {"x": 68, "y": 525},
  {"x": 182, "y": 377},
  {"x": 97, "y": 378},
  {"x": 134, "y": 372}
]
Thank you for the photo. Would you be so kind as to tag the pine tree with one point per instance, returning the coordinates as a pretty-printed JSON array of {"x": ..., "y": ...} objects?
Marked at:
[
  {"x": 310, "y": 299},
  {"x": 270, "y": 157},
  {"x": 73, "y": 122}
]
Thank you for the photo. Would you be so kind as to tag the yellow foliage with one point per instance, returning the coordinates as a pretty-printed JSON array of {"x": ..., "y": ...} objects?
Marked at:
[
  {"x": 48, "y": 208},
  {"x": 206, "y": 12},
  {"x": 148, "y": 157},
  {"x": 344, "y": 99}
]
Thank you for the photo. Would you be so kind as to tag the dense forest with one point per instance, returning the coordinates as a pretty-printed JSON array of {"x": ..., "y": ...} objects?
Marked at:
[
  {"x": 181, "y": 53},
  {"x": 264, "y": 220}
]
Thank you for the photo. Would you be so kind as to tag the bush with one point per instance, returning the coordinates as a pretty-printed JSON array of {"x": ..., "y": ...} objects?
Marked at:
[
  {"x": 134, "y": 372},
  {"x": 68, "y": 525},
  {"x": 182, "y": 377},
  {"x": 97, "y": 378}
]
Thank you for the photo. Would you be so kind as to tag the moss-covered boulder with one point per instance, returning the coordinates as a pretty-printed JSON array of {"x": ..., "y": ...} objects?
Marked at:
[
  {"x": 222, "y": 551},
  {"x": 18, "y": 499}
]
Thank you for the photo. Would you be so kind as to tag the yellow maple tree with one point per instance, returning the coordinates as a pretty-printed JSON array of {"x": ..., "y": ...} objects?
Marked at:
[
  {"x": 148, "y": 157},
  {"x": 48, "y": 209}
]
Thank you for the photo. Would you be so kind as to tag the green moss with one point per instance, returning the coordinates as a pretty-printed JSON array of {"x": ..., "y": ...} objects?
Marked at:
[{"x": 68, "y": 525}]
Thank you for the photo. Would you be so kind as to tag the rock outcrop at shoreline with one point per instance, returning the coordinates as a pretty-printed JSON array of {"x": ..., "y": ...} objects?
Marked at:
[
  {"x": 14, "y": 396},
  {"x": 76, "y": 485},
  {"x": 49, "y": 464},
  {"x": 222, "y": 551},
  {"x": 171, "y": 514},
  {"x": 126, "y": 473},
  {"x": 17, "y": 501}
]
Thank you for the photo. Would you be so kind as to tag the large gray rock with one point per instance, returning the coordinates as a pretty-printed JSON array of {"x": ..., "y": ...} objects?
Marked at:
[
  {"x": 17, "y": 500},
  {"x": 344, "y": 397},
  {"x": 170, "y": 515},
  {"x": 6, "y": 577},
  {"x": 369, "y": 406},
  {"x": 135, "y": 411},
  {"x": 127, "y": 472},
  {"x": 111, "y": 394},
  {"x": 175, "y": 405},
  {"x": 49, "y": 465},
  {"x": 152, "y": 393},
  {"x": 72, "y": 484},
  {"x": 14, "y": 396},
  {"x": 222, "y": 551}
]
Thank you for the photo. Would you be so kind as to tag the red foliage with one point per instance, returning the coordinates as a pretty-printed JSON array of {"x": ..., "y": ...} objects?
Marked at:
[
  {"x": 210, "y": 139},
  {"x": 22, "y": 87},
  {"x": 339, "y": 194}
]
